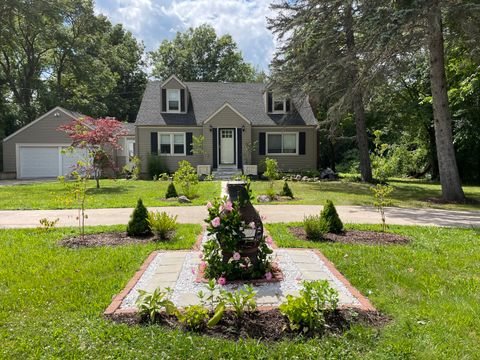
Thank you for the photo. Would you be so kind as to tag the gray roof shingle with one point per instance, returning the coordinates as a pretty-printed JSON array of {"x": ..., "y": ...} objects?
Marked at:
[{"x": 208, "y": 97}]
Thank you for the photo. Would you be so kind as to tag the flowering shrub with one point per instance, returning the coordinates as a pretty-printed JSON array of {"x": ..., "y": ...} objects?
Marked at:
[{"x": 228, "y": 254}]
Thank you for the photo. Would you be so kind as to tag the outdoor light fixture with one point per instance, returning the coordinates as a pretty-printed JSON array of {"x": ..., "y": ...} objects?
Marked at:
[
  {"x": 211, "y": 128},
  {"x": 243, "y": 128}
]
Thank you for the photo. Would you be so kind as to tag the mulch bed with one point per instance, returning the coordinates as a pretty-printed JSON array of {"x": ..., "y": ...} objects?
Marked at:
[
  {"x": 105, "y": 239},
  {"x": 440, "y": 201},
  {"x": 356, "y": 237},
  {"x": 268, "y": 325}
]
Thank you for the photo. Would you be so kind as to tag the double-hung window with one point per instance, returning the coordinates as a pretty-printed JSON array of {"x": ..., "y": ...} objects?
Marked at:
[
  {"x": 173, "y": 100},
  {"x": 282, "y": 143},
  {"x": 171, "y": 143},
  {"x": 279, "y": 104}
]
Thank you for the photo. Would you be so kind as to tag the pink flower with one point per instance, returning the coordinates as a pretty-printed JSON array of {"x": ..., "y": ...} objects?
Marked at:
[
  {"x": 209, "y": 205},
  {"x": 200, "y": 256},
  {"x": 216, "y": 222},
  {"x": 298, "y": 278},
  {"x": 252, "y": 225},
  {"x": 229, "y": 206},
  {"x": 236, "y": 256},
  {"x": 220, "y": 209},
  {"x": 268, "y": 276},
  {"x": 221, "y": 281},
  {"x": 203, "y": 266},
  {"x": 193, "y": 270},
  {"x": 269, "y": 240}
]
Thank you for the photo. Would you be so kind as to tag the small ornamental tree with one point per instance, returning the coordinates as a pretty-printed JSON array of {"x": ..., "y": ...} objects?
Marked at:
[
  {"x": 97, "y": 137},
  {"x": 171, "y": 191},
  {"x": 330, "y": 218},
  {"x": 187, "y": 178},
  {"x": 138, "y": 224},
  {"x": 286, "y": 191}
]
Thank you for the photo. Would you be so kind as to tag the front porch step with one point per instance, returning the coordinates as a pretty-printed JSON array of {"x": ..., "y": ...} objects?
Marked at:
[{"x": 226, "y": 173}]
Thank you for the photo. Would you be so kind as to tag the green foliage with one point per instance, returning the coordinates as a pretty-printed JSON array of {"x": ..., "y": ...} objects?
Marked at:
[
  {"x": 162, "y": 224},
  {"x": 382, "y": 194},
  {"x": 171, "y": 191},
  {"x": 186, "y": 177},
  {"x": 138, "y": 224},
  {"x": 197, "y": 145},
  {"x": 240, "y": 300},
  {"x": 47, "y": 225},
  {"x": 314, "y": 227},
  {"x": 286, "y": 191},
  {"x": 198, "y": 54},
  {"x": 150, "y": 305},
  {"x": 133, "y": 168},
  {"x": 330, "y": 218},
  {"x": 193, "y": 317},
  {"x": 156, "y": 166},
  {"x": 271, "y": 169},
  {"x": 307, "y": 311}
]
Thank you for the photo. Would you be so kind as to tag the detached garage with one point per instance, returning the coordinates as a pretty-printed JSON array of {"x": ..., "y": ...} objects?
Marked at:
[{"x": 35, "y": 151}]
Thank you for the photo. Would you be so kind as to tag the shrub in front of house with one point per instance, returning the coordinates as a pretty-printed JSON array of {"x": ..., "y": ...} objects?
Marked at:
[
  {"x": 186, "y": 177},
  {"x": 314, "y": 227},
  {"x": 156, "y": 166},
  {"x": 162, "y": 224},
  {"x": 330, "y": 218},
  {"x": 138, "y": 224},
  {"x": 171, "y": 191},
  {"x": 286, "y": 191}
]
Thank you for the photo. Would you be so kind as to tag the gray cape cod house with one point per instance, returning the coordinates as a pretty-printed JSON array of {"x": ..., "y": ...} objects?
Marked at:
[{"x": 242, "y": 124}]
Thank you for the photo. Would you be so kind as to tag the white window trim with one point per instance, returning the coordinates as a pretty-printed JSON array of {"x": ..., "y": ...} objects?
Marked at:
[
  {"x": 179, "y": 101},
  {"x": 282, "y": 153},
  {"x": 172, "y": 143},
  {"x": 284, "y": 111}
]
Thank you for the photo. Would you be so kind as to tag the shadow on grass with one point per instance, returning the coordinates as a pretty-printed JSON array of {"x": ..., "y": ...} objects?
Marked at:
[{"x": 107, "y": 190}]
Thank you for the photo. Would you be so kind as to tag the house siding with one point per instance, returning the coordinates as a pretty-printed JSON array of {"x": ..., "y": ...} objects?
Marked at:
[
  {"x": 42, "y": 132},
  {"x": 143, "y": 146},
  {"x": 289, "y": 162},
  {"x": 173, "y": 84}
]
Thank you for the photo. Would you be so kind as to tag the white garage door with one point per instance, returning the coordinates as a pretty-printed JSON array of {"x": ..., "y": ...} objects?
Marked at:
[{"x": 45, "y": 161}]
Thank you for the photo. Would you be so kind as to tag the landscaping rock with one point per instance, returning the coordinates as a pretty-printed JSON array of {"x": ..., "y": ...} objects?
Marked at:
[
  {"x": 263, "y": 198},
  {"x": 305, "y": 178},
  {"x": 184, "y": 200},
  {"x": 298, "y": 177},
  {"x": 328, "y": 174}
]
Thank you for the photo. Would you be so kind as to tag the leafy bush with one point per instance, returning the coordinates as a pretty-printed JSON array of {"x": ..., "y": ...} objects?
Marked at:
[
  {"x": 314, "y": 227},
  {"x": 330, "y": 218},
  {"x": 271, "y": 169},
  {"x": 156, "y": 166},
  {"x": 138, "y": 224},
  {"x": 186, "y": 176},
  {"x": 382, "y": 193},
  {"x": 241, "y": 300},
  {"x": 47, "y": 225},
  {"x": 194, "y": 317},
  {"x": 307, "y": 311},
  {"x": 150, "y": 305},
  {"x": 161, "y": 224},
  {"x": 286, "y": 191},
  {"x": 171, "y": 191}
]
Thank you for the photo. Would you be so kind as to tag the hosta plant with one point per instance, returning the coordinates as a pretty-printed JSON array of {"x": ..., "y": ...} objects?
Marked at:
[{"x": 150, "y": 305}]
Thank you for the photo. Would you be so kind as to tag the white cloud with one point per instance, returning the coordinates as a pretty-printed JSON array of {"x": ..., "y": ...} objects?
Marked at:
[{"x": 153, "y": 21}]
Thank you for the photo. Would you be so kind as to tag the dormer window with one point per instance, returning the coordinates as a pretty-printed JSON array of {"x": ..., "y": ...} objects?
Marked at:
[
  {"x": 277, "y": 104},
  {"x": 173, "y": 100}
]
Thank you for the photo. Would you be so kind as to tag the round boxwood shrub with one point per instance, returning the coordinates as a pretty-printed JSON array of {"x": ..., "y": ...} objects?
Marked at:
[
  {"x": 138, "y": 224},
  {"x": 171, "y": 191},
  {"x": 330, "y": 218}
]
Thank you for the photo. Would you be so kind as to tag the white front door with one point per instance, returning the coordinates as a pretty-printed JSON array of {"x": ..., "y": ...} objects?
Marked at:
[{"x": 227, "y": 146}]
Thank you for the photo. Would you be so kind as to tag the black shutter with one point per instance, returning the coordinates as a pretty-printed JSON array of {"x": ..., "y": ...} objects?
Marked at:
[
  {"x": 215, "y": 140},
  {"x": 164, "y": 100},
  {"x": 182, "y": 100},
  {"x": 301, "y": 143},
  {"x": 287, "y": 105},
  {"x": 239, "y": 148},
  {"x": 269, "y": 102},
  {"x": 189, "y": 145},
  {"x": 154, "y": 143},
  {"x": 261, "y": 143}
]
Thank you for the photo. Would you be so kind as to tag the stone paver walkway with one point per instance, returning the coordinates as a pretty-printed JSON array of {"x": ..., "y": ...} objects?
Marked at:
[
  {"x": 175, "y": 269},
  {"x": 273, "y": 213}
]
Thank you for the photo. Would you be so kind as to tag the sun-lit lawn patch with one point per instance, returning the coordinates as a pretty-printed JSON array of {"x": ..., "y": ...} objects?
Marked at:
[
  {"x": 407, "y": 193},
  {"x": 112, "y": 194},
  {"x": 52, "y": 299}
]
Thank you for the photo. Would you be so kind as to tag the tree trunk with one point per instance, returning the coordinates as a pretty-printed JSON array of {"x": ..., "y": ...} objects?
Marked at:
[
  {"x": 357, "y": 101},
  {"x": 447, "y": 163}
]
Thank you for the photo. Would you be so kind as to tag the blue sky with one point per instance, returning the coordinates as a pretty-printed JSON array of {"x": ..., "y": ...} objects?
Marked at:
[{"x": 155, "y": 20}]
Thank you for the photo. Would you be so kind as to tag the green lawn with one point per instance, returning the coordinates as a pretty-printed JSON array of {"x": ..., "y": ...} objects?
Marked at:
[
  {"x": 112, "y": 194},
  {"x": 52, "y": 299},
  {"x": 408, "y": 193}
]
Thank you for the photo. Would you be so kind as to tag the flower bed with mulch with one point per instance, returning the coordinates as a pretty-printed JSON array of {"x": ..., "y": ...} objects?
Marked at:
[
  {"x": 355, "y": 237},
  {"x": 267, "y": 324},
  {"x": 116, "y": 238}
]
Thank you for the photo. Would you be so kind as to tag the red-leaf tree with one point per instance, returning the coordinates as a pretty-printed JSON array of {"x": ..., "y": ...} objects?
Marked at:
[{"x": 98, "y": 137}]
